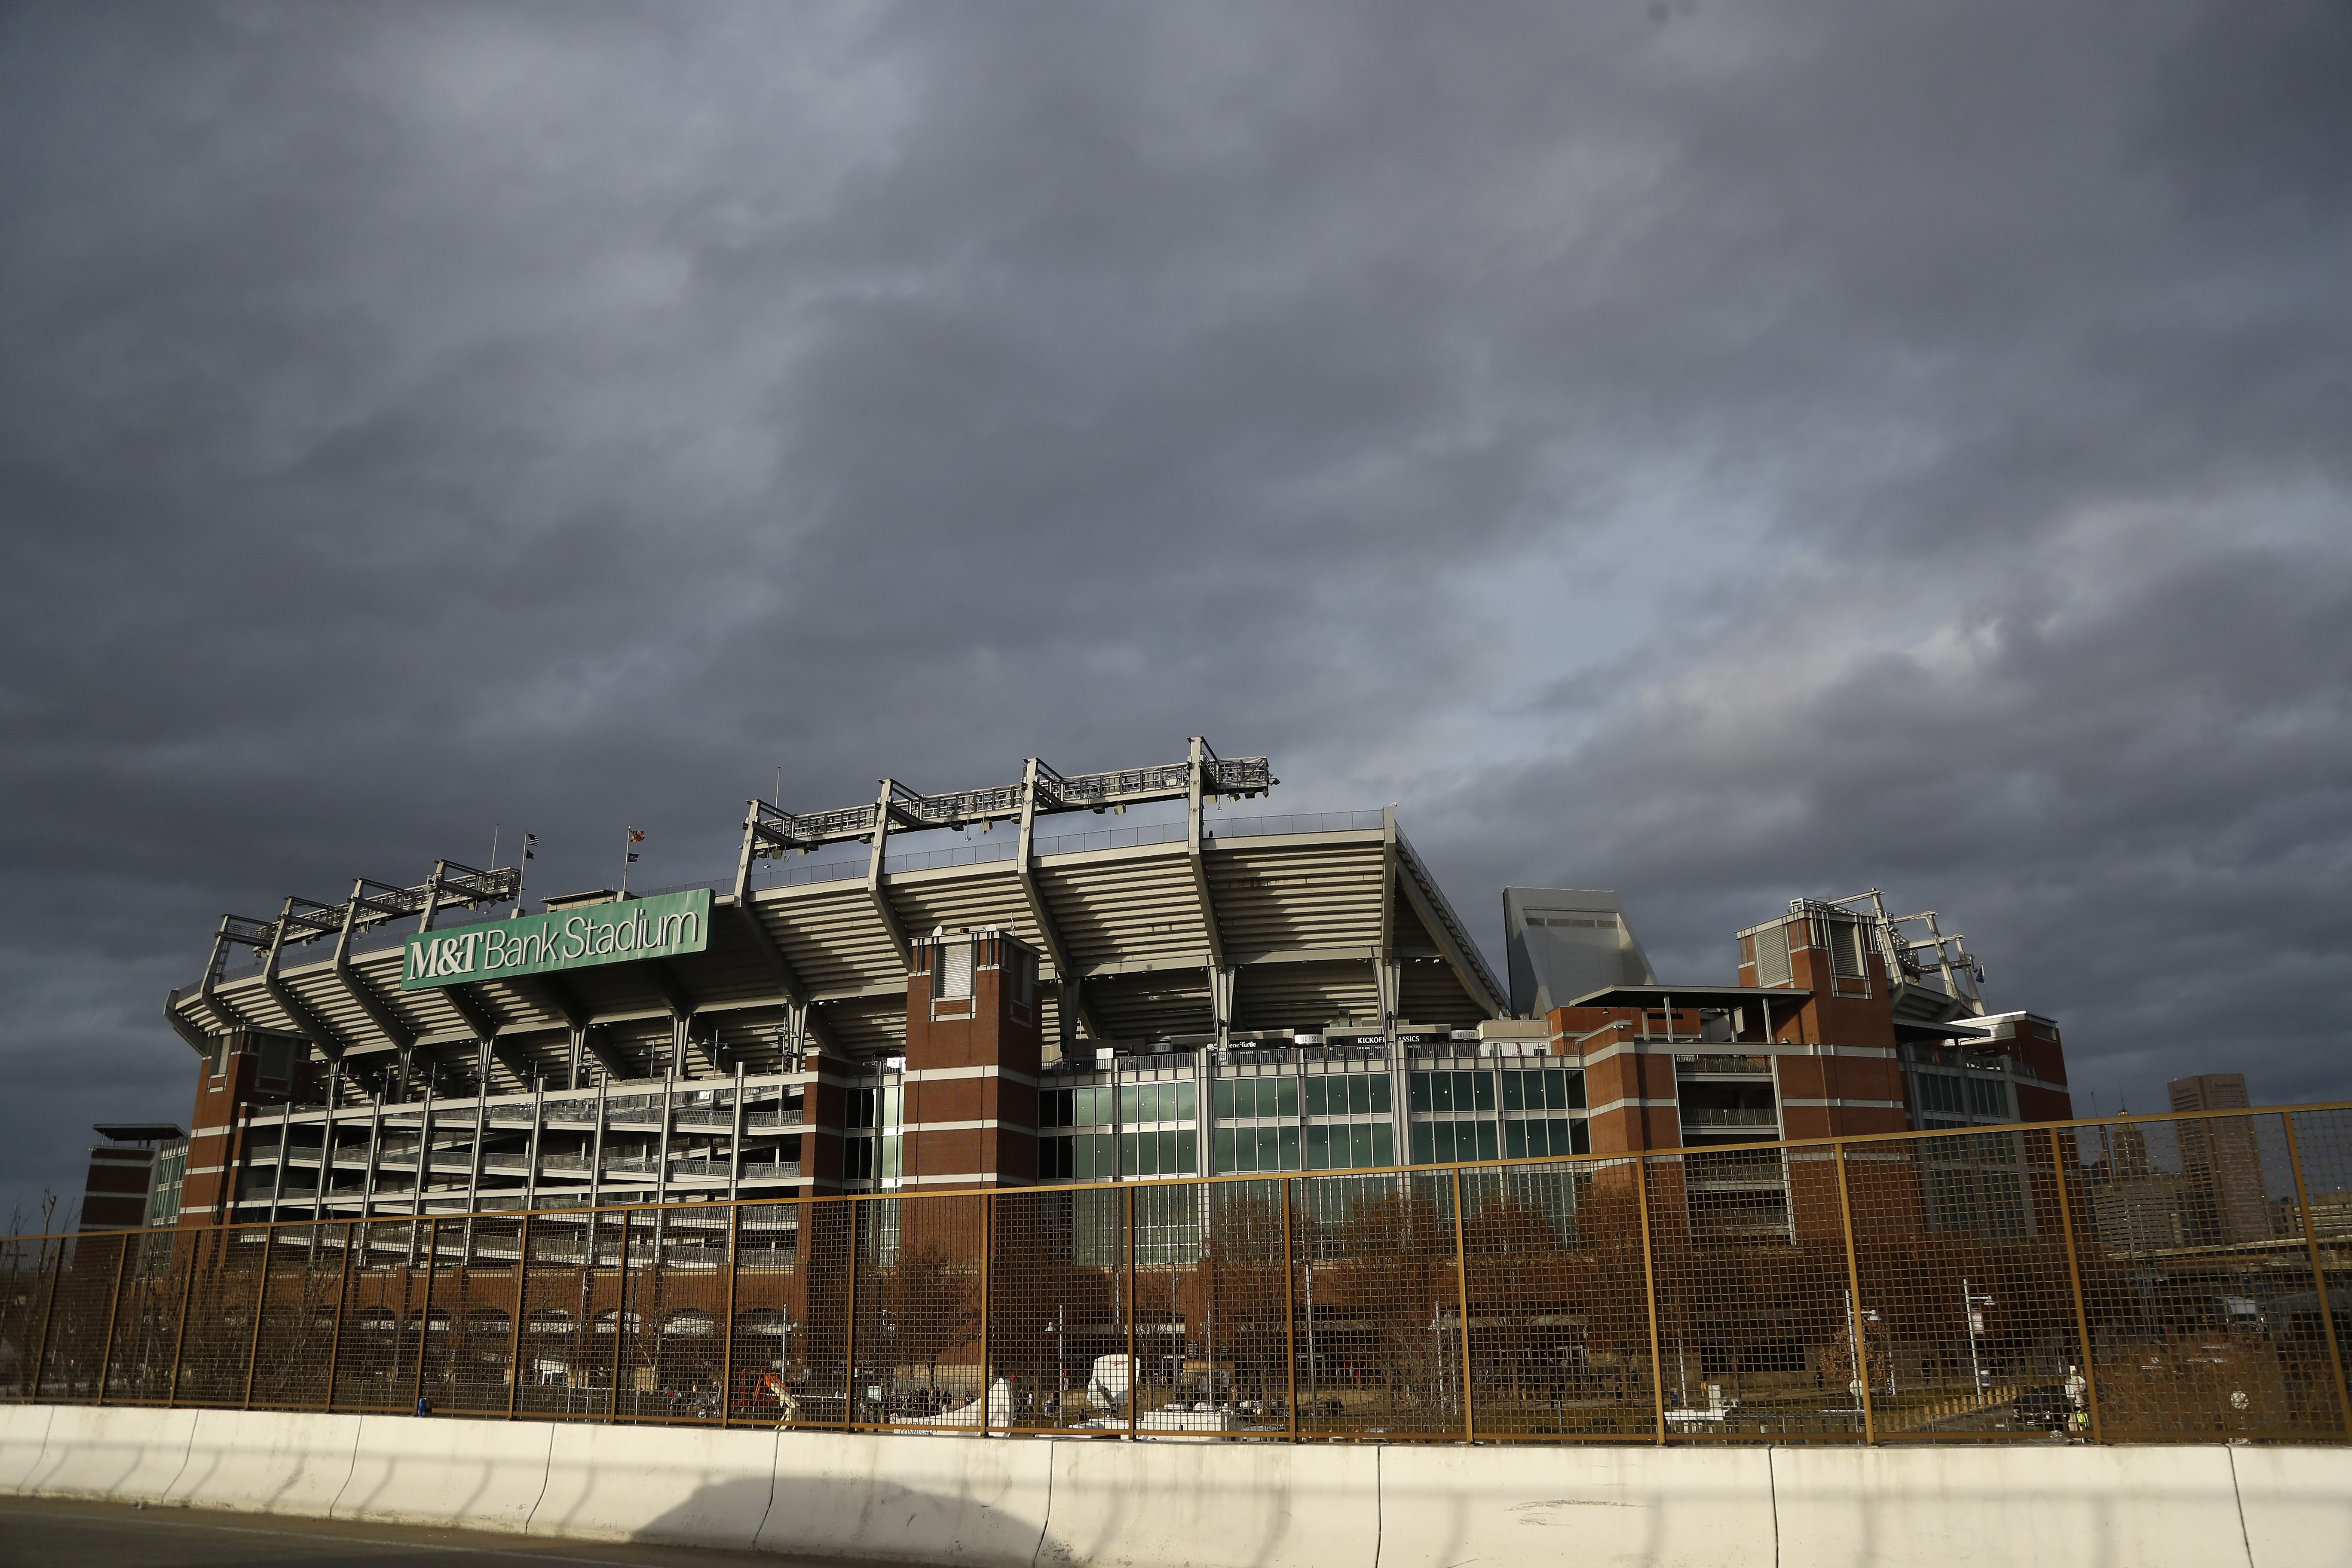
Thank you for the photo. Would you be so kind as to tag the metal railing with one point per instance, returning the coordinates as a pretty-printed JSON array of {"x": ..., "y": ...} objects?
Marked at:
[
  {"x": 2155, "y": 1278},
  {"x": 1730, "y": 1116}
]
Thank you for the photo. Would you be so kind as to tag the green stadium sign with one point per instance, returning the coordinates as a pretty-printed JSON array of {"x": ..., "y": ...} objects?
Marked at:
[{"x": 635, "y": 928}]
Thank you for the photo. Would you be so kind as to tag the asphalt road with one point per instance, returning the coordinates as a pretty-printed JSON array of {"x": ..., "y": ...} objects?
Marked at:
[{"x": 66, "y": 1534}]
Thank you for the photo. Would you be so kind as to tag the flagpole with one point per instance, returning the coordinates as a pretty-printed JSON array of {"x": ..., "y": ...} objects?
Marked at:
[
  {"x": 494, "y": 846},
  {"x": 625, "y": 862}
]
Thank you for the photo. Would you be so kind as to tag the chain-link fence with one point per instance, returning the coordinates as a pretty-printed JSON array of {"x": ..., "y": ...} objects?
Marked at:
[{"x": 2132, "y": 1279}]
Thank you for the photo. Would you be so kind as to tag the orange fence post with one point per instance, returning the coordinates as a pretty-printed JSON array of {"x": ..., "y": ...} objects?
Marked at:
[
  {"x": 2318, "y": 1272},
  {"x": 726, "y": 1346},
  {"x": 1854, "y": 1304},
  {"x": 1290, "y": 1315},
  {"x": 1134, "y": 1382},
  {"x": 620, "y": 1318},
  {"x": 48, "y": 1312},
  {"x": 342, "y": 1309},
  {"x": 260, "y": 1305},
  {"x": 987, "y": 1240},
  {"x": 1650, "y": 1296},
  {"x": 113, "y": 1310},
  {"x": 1462, "y": 1304},
  {"x": 425, "y": 1311},
  {"x": 514, "y": 1338},
  {"x": 849, "y": 1335},
  {"x": 194, "y": 1241},
  {"x": 2074, "y": 1276}
]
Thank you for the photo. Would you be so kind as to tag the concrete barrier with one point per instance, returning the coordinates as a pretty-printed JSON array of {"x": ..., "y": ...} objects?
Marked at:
[
  {"x": 637, "y": 1483},
  {"x": 1028, "y": 1503},
  {"x": 110, "y": 1453},
  {"x": 264, "y": 1462},
  {"x": 966, "y": 1499},
  {"x": 1703, "y": 1507},
  {"x": 484, "y": 1475},
  {"x": 24, "y": 1432},
  {"x": 2296, "y": 1504},
  {"x": 1189, "y": 1504},
  {"x": 1931, "y": 1506}
]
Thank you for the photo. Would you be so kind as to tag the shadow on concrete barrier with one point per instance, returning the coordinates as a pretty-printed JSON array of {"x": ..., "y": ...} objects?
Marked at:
[
  {"x": 1666, "y": 1506},
  {"x": 1027, "y": 1504}
]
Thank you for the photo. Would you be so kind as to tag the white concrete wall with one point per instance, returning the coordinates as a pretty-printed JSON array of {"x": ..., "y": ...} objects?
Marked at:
[{"x": 1035, "y": 1503}]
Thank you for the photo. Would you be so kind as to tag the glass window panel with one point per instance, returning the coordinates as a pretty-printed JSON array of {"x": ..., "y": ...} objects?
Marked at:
[
  {"x": 1289, "y": 1145},
  {"x": 1224, "y": 1151},
  {"x": 1126, "y": 1106},
  {"x": 1290, "y": 1087},
  {"x": 1359, "y": 1145},
  {"x": 1168, "y": 1165},
  {"x": 1319, "y": 1139},
  {"x": 1488, "y": 1143},
  {"x": 1221, "y": 1099},
  {"x": 1424, "y": 1139},
  {"x": 1188, "y": 1100},
  {"x": 1188, "y": 1151},
  {"x": 1359, "y": 1095},
  {"x": 1379, "y": 1093},
  {"x": 1511, "y": 1100},
  {"x": 1482, "y": 1091},
  {"x": 1418, "y": 1091},
  {"x": 955, "y": 972},
  {"x": 1441, "y": 1142},
  {"x": 1126, "y": 1166},
  {"x": 1245, "y": 1150},
  {"x": 1441, "y": 1092},
  {"x": 1315, "y": 1102},
  {"x": 1515, "y": 1133},
  {"x": 1383, "y": 1143}
]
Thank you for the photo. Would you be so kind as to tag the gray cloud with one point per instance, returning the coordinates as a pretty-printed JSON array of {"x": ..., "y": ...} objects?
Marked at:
[{"x": 1728, "y": 452}]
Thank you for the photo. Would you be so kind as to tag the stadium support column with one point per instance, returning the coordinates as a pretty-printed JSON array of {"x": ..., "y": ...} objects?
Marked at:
[
  {"x": 374, "y": 1155},
  {"x": 531, "y": 1161},
  {"x": 1221, "y": 978},
  {"x": 875, "y": 890},
  {"x": 1388, "y": 981},
  {"x": 1069, "y": 994}
]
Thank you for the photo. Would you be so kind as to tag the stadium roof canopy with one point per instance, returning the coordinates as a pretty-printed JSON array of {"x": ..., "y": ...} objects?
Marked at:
[{"x": 1214, "y": 924}]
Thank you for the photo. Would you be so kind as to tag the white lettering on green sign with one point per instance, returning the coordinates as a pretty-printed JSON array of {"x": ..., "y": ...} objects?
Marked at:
[{"x": 663, "y": 927}]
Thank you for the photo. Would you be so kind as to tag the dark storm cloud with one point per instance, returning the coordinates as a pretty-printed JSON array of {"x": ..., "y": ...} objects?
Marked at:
[{"x": 1724, "y": 451}]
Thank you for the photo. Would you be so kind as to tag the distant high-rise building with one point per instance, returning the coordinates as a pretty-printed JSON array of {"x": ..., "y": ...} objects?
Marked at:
[{"x": 2222, "y": 1158}]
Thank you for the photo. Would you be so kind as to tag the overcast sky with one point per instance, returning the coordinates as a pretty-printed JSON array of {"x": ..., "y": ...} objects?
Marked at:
[{"x": 1720, "y": 452}]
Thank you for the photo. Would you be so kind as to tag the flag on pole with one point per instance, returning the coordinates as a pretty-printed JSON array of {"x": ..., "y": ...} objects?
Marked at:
[
  {"x": 530, "y": 846},
  {"x": 635, "y": 837},
  {"x": 632, "y": 856}
]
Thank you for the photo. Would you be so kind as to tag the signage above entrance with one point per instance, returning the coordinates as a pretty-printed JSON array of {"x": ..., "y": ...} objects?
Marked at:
[{"x": 663, "y": 927}]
